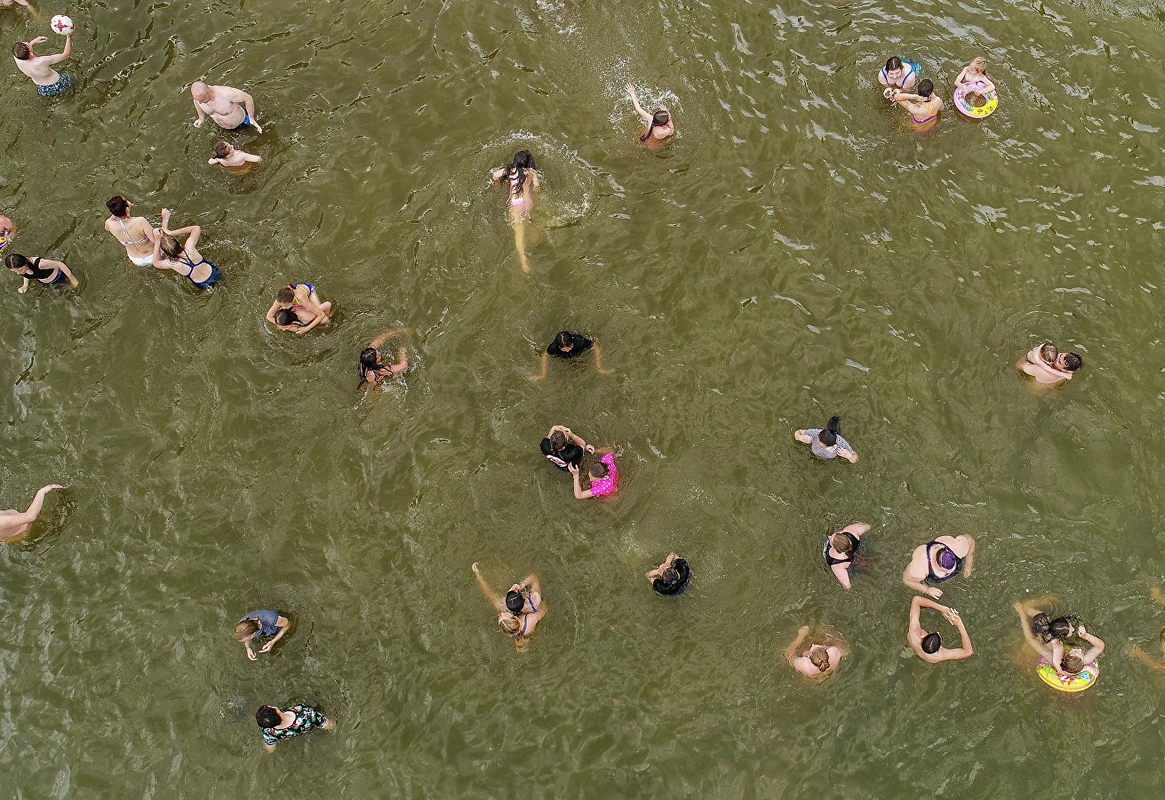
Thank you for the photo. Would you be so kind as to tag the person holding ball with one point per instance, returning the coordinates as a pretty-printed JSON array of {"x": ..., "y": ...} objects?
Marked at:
[{"x": 49, "y": 82}]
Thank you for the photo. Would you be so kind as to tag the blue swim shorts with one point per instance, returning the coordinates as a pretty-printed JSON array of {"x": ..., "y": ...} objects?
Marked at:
[{"x": 63, "y": 84}]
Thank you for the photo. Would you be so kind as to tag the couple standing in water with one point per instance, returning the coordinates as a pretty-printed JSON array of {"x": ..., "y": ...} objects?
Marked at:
[{"x": 521, "y": 178}]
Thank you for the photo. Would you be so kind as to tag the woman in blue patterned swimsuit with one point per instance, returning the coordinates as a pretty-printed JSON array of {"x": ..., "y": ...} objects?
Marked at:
[{"x": 298, "y": 719}]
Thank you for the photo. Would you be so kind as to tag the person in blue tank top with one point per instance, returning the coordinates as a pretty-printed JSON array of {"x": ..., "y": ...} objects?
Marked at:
[{"x": 260, "y": 623}]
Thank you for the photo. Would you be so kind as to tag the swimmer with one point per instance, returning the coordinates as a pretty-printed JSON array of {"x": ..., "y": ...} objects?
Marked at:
[
  {"x": 231, "y": 159},
  {"x": 278, "y": 725},
  {"x": 372, "y": 368},
  {"x": 1066, "y": 662},
  {"x": 1139, "y": 654},
  {"x": 260, "y": 623},
  {"x": 520, "y": 611},
  {"x": 898, "y": 74},
  {"x": 939, "y": 560},
  {"x": 44, "y": 271},
  {"x": 819, "y": 659},
  {"x": 671, "y": 577},
  {"x": 563, "y": 448},
  {"x": 923, "y": 107},
  {"x": 298, "y": 308},
  {"x": 1049, "y": 366},
  {"x": 184, "y": 259},
  {"x": 604, "y": 478},
  {"x": 928, "y": 646},
  {"x": 827, "y": 443},
  {"x": 14, "y": 524},
  {"x": 570, "y": 345},
  {"x": 841, "y": 548},
  {"x": 49, "y": 82},
  {"x": 230, "y": 108},
  {"x": 975, "y": 72},
  {"x": 7, "y": 231},
  {"x": 136, "y": 234},
  {"x": 659, "y": 124},
  {"x": 521, "y": 196}
]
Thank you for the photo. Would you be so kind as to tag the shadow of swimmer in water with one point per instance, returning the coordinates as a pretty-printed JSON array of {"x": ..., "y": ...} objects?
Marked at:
[{"x": 520, "y": 177}]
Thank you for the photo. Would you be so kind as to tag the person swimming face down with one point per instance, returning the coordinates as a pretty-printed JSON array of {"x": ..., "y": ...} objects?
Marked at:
[
  {"x": 661, "y": 119},
  {"x": 521, "y": 162}
]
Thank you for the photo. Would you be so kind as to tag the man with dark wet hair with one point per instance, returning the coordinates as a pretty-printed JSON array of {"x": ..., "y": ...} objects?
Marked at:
[{"x": 49, "y": 82}]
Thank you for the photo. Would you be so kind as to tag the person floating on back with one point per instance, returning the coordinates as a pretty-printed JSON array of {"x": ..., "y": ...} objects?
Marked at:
[
  {"x": 827, "y": 442},
  {"x": 671, "y": 577},
  {"x": 659, "y": 124},
  {"x": 278, "y": 725},
  {"x": 44, "y": 271},
  {"x": 570, "y": 345},
  {"x": 928, "y": 646},
  {"x": 1049, "y": 366},
  {"x": 520, "y": 177},
  {"x": 230, "y": 108},
  {"x": 49, "y": 82},
  {"x": 231, "y": 159},
  {"x": 262, "y": 623}
]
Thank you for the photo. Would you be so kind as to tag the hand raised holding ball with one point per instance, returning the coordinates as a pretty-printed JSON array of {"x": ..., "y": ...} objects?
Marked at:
[{"x": 62, "y": 25}]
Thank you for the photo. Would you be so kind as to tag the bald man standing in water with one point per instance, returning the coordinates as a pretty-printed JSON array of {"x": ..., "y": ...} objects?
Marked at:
[{"x": 229, "y": 108}]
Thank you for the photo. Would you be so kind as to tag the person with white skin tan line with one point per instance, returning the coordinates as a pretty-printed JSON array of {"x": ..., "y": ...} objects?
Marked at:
[
  {"x": 135, "y": 234},
  {"x": 230, "y": 108},
  {"x": 39, "y": 69},
  {"x": 14, "y": 524},
  {"x": 928, "y": 646},
  {"x": 940, "y": 559},
  {"x": 659, "y": 125},
  {"x": 818, "y": 660},
  {"x": 841, "y": 548}
]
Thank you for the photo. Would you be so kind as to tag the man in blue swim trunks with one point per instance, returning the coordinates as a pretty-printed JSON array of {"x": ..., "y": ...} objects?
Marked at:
[
  {"x": 49, "y": 82},
  {"x": 230, "y": 108}
]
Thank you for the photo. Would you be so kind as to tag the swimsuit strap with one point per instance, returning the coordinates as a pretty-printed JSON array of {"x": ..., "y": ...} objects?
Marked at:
[{"x": 125, "y": 230}]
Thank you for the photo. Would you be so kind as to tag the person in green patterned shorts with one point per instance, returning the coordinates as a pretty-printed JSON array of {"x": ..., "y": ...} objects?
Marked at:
[{"x": 277, "y": 725}]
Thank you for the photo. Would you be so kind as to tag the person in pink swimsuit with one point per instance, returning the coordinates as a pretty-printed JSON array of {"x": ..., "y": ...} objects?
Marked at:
[
  {"x": 604, "y": 479},
  {"x": 520, "y": 177}
]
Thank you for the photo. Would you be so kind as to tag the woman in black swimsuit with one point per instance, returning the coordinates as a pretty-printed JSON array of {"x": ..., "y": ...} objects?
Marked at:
[
  {"x": 671, "y": 577},
  {"x": 42, "y": 270},
  {"x": 939, "y": 560},
  {"x": 840, "y": 549}
]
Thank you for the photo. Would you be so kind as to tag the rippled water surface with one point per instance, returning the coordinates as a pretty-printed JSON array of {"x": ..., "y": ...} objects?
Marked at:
[{"x": 797, "y": 252}]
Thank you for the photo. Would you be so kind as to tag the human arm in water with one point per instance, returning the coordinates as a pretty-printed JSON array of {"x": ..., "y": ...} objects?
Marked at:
[
  {"x": 573, "y": 437},
  {"x": 914, "y": 576},
  {"x": 791, "y": 650},
  {"x": 542, "y": 367},
  {"x": 599, "y": 361},
  {"x": 630, "y": 87},
  {"x": 658, "y": 571},
  {"x": 1097, "y": 643},
  {"x": 239, "y": 96},
  {"x": 916, "y": 633},
  {"x": 1026, "y": 611},
  {"x": 579, "y": 492},
  {"x": 13, "y": 523},
  {"x": 497, "y": 602},
  {"x": 282, "y": 624}
]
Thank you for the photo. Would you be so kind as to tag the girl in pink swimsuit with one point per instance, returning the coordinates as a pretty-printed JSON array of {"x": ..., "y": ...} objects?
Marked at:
[
  {"x": 604, "y": 479},
  {"x": 520, "y": 179}
]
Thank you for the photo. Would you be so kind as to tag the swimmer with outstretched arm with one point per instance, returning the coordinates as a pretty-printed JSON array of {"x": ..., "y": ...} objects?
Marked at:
[
  {"x": 373, "y": 370},
  {"x": 928, "y": 646},
  {"x": 520, "y": 611},
  {"x": 1065, "y": 662},
  {"x": 14, "y": 524},
  {"x": 659, "y": 124},
  {"x": 818, "y": 660},
  {"x": 568, "y": 344}
]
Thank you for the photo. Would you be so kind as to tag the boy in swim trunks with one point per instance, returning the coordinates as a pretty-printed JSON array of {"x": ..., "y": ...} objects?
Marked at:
[
  {"x": 136, "y": 234},
  {"x": 49, "y": 82},
  {"x": 230, "y": 108},
  {"x": 232, "y": 160}
]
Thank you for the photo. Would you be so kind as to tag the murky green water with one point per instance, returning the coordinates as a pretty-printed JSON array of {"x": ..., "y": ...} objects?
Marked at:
[{"x": 795, "y": 253}]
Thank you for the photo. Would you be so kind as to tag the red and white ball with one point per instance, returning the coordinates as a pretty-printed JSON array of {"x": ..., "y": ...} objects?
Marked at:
[{"x": 62, "y": 24}]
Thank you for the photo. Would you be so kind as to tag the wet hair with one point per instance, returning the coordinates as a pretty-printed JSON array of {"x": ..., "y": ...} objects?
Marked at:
[
  {"x": 893, "y": 62},
  {"x": 670, "y": 575},
  {"x": 1048, "y": 352},
  {"x": 368, "y": 358},
  {"x": 268, "y": 716},
  {"x": 171, "y": 247},
  {"x": 843, "y": 545},
  {"x": 1061, "y": 628},
  {"x": 828, "y": 437},
  {"x": 1072, "y": 663},
  {"x": 1072, "y": 362},
  {"x": 510, "y": 625},
  {"x": 557, "y": 441},
  {"x": 22, "y": 51},
  {"x": 564, "y": 339},
  {"x": 515, "y": 602},
  {"x": 599, "y": 470},
  {"x": 17, "y": 261},
  {"x": 285, "y": 295},
  {"x": 660, "y": 119},
  {"x": 522, "y": 161},
  {"x": 931, "y": 643},
  {"x": 118, "y": 206},
  {"x": 245, "y": 630},
  {"x": 820, "y": 658},
  {"x": 925, "y": 87},
  {"x": 285, "y": 316},
  {"x": 221, "y": 149}
]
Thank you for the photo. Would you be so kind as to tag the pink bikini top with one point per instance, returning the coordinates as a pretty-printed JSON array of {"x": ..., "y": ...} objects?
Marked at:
[{"x": 601, "y": 487}]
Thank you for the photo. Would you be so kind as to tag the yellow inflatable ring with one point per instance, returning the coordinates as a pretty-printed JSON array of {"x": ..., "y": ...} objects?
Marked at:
[
  {"x": 1068, "y": 683},
  {"x": 978, "y": 89}
]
